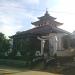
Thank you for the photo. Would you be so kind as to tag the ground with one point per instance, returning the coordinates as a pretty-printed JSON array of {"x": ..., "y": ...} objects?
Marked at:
[
  {"x": 5, "y": 70},
  {"x": 11, "y": 72},
  {"x": 34, "y": 73},
  {"x": 14, "y": 71}
]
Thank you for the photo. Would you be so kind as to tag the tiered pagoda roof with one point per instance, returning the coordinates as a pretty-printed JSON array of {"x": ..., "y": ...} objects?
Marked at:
[
  {"x": 47, "y": 20},
  {"x": 44, "y": 26}
]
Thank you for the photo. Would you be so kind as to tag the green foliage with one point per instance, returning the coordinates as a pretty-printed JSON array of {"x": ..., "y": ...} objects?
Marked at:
[
  {"x": 27, "y": 47},
  {"x": 13, "y": 63},
  {"x": 73, "y": 43},
  {"x": 66, "y": 41},
  {"x": 4, "y": 44}
]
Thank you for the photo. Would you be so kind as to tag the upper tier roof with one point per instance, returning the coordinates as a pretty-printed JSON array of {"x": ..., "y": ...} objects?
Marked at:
[
  {"x": 46, "y": 20},
  {"x": 47, "y": 16},
  {"x": 53, "y": 23}
]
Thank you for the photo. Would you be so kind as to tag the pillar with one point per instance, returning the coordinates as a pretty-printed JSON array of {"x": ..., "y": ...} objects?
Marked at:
[{"x": 42, "y": 47}]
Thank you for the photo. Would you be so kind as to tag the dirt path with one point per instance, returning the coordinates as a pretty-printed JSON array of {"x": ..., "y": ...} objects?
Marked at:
[
  {"x": 34, "y": 73},
  {"x": 11, "y": 71},
  {"x": 4, "y": 70}
]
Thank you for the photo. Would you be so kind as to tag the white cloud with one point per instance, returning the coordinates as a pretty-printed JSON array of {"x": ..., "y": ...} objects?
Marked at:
[
  {"x": 13, "y": 17},
  {"x": 68, "y": 7},
  {"x": 64, "y": 11},
  {"x": 31, "y": 1}
]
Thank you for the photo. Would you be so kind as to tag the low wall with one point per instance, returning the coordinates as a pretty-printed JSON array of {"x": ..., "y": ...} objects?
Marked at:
[{"x": 70, "y": 52}]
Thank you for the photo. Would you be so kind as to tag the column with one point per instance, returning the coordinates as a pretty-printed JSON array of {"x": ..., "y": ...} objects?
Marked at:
[
  {"x": 59, "y": 36},
  {"x": 42, "y": 44},
  {"x": 55, "y": 44},
  {"x": 42, "y": 47}
]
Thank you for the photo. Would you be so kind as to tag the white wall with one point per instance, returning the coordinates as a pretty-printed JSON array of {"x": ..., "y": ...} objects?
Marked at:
[
  {"x": 59, "y": 42},
  {"x": 56, "y": 41},
  {"x": 53, "y": 42}
]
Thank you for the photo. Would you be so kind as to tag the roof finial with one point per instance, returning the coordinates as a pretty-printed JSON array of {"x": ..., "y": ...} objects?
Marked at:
[{"x": 46, "y": 11}]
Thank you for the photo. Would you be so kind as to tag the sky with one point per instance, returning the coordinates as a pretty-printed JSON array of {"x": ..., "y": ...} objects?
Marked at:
[{"x": 17, "y": 15}]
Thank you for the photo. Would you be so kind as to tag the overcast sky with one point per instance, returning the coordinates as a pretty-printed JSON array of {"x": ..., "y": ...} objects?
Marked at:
[{"x": 17, "y": 15}]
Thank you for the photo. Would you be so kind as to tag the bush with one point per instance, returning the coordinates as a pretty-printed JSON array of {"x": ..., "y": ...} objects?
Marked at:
[{"x": 13, "y": 63}]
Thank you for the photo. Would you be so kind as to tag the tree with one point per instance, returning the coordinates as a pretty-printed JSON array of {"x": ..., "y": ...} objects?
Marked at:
[
  {"x": 67, "y": 41},
  {"x": 73, "y": 43},
  {"x": 4, "y": 44}
]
